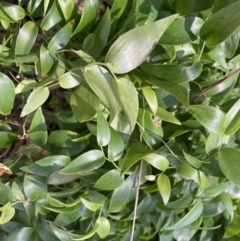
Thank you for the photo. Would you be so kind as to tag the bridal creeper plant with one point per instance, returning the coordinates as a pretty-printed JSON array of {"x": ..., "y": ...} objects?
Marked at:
[{"x": 120, "y": 125}]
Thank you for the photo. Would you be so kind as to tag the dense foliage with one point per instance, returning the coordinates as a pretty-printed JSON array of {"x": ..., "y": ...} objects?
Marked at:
[{"x": 120, "y": 120}]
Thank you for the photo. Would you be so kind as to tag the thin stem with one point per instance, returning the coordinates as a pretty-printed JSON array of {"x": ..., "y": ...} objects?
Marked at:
[
  {"x": 136, "y": 200},
  {"x": 200, "y": 55}
]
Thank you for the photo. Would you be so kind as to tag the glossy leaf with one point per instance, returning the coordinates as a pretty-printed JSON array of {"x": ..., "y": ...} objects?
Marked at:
[
  {"x": 158, "y": 161},
  {"x": 28, "y": 233},
  {"x": 167, "y": 116},
  {"x": 109, "y": 181},
  {"x": 7, "y": 95},
  {"x": 115, "y": 146},
  {"x": 67, "y": 8},
  {"x": 192, "y": 160},
  {"x": 228, "y": 160},
  {"x": 35, "y": 100},
  {"x": 118, "y": 8},
  {"x": 84, "y": 102},
  {"x": 71, "y": 79},
  {"x": 26, "y": 38},
  {"x": 11, "y": 12},
  {"x": 128, "y": 99},
  {"x": 103, "y": 227},
  {"x": 151, "y": 99},
  {"x": 124, "y": 56},
  {"x": 38, "y": 129},
  {"x": 88, "y": 235},
  {"x": 95, "y": 42},
  {"x": 210, "y": 117},
  {"x": 216, "y": 29},
  {"x": 233, "y": 228},
  {"x": 190, "y": 217},
  {"x": 135, "y": 153},
  {"x": 46, "y": 60},
  {"x": 7, "y": 213},
  {"x": 100, "y": 81},
  {"x": 103, "y": 130},
  {"x": 88, "y": 161},
  {"x": 164, "y": 187},
  {"x": 91, "y": 205}
]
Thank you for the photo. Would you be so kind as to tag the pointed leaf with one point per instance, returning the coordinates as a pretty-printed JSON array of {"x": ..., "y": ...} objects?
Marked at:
[
  {"x": 109, "y": 181},
  {"x": 167, "y": 116},
  {"x": 13, "y": 11},
  {"x": 46, "y": 60},
  {"x": 190, "y": 217},
  {"x": 7, "y": 95},
  {"x": 192, "y": 160},
  {"x": 67, "y": 7},
  {"x": 7, "y": 213},
  {"x": 38, "y": 129},
  {"x": 35, "y": 100},
  {"x": 151, "y": 99},
  {"x": 103, "y": 130},
  {"x": 216, "y": 29},
  {"x": 100, "y": 81},
  {"x": 28, "y": 233},
  {"x": 103, "y": 227},
  {"x": 26, "y": 38},
  {"x": 128, "y": 99},
  {"x": 158, "y": 161},
  {"x": 136, "y": 152},
  {"x": 91, "y": 205},
  {"x": 124, "y": 54},
  {"x": 210, "y": 117},
  {"x": 71, "y": 79},
  {"x": 233, "y": 228},
  {"x": 88, "y": 161},
  {"x": 164, "y": 187},
  {"x": 228, "y": 160},
  {"x": 88, "y": 235}
]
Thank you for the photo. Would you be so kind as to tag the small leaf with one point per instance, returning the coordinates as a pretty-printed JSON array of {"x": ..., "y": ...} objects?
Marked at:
[
  {"x": 109, "y": 181},
  {"x": 210, "y": 117},
  {"x": 216, "y": 29},
  {"x": 67, "y": 7},
  {"x": 233, "y": 228},
  {"x": 26, "y": 38},
  {"x": 128, "y": 99},
  {"x": 7, "y": 213},
  {"x": 151, "y": 99},
  {"x": 157, "y": 161},
  {"x": 35, "y": 100},
  {"x": 46, "y": 60},
  {"x": 88, "y": 235},
  {"x": 71, "y": 79},
  {"x": 164, "y": 187},
  {"x": 192, "y": 160},
  {"x": 103, "y": 227},
  {"x": 7, "y": 95},
  {"x": 103, "y": 131},
  {"x": 13, "y": 11},
  {"x": 91, "y": 205},
  {"x": 228, "y": 160},
  {"x": 124, "y": 54},
  {"x": 117, "y": 8},
  {"x": 88, "y": 161},
  {"x": 38, "y": 129},
  {"x": 136, "y": 152},
  {"x": 167, "y": 116},
  {"x": 115, "y": 146},
  {"x": 190, "y": 217}
]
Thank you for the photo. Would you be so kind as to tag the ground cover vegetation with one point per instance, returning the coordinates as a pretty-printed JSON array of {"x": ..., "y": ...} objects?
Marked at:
[{"x": 119, "y": 120}]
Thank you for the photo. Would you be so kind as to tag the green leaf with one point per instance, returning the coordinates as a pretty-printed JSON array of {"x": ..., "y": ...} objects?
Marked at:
[
  {"x": 52, "y": 18},
  {"x": 233, "y": 227},
  {"x": 88, "y": 235},
  {"x": 124, "y": 54},
  {"x": 35, "y": 100},
  {"x": 188, "y": 172},
  {"x": 164, "y": 187},
  {"x": 109, "y": 181},
  {"x": 182, "y": 31},
  {"x": 167, "y": 116},
  {"x": 26, "y": 38},
  {"x": 115, "y": 146},
  {"x": 84, "y": 102},
  {"x": 128, "y": 98},
  {"x": 91, "y": 205},
  {"x": 217, "y": 190},
  {"x": 7, "y": 95},
  {"x": 7, "y": 213},
  {"x": 28, "y": 233},
  {"x": 57, "y": 179},
  {"x": 11, "y": 12},
  {"x": 186, "y": 7},
  {"x": 88, "y": 161},
  {"x": 228, "y": 160},
  {"x": 100, "y": 81},
  {"x": 175, "y": 73},
  {"x": 7, "y": 194},
  {"x": 118, "y": 8},
  {"x": 61, "y": 39},
  {"x": 233, "y": 119},
  {"x": 190, "y": 217},
  {"x": 47, "y": 165},
  {"x": 210, "y": 117},
  {"x": 35, "y": 187},
  {"x": 135, "y": 152},
  {"x": 192, "y": 160},
  {"x": 228, "y": 204},
  {"x": 181, "y": 93},
  {"x": 157, "y": 161},
  {"x": 38, "y": 129},
  {"x": 95, "y": 42},
  {"x": 151, "y": 99},
  {"x": 216, "y": 29},
  {"x": 46, "y": 60},
  {"x": 71, "y": 79},
  {"x": 89, "y": 15},
  {"x": 103, "y": 130},
  {"x": 7, "y": 139},
  {"x": 103, "y": 227},
  {"x": 67, "y": 7}
]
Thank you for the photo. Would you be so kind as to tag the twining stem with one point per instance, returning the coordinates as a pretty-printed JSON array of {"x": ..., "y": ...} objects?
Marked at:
[{"x": 136, "y": 200}]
